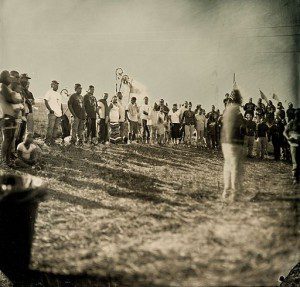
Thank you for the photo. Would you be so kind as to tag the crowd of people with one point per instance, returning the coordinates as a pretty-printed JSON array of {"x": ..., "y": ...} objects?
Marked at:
[{"x": 112, "y": 120}]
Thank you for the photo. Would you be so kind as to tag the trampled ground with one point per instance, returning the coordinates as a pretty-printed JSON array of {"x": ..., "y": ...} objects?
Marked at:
[{"x": 152, "y": 216}]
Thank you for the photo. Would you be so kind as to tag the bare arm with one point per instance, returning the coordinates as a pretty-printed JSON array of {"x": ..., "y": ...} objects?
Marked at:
[{"x": 48, "y": 107}]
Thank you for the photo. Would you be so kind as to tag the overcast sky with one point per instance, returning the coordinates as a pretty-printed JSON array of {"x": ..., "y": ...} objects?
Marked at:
[{"x": 179, "y": 50}]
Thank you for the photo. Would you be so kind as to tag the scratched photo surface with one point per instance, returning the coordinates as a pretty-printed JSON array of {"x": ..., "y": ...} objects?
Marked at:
[{"x": 148, "y": 215}]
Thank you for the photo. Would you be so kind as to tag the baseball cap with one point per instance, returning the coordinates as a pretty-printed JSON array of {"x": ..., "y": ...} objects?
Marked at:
[{"x": 24, "y": 76}]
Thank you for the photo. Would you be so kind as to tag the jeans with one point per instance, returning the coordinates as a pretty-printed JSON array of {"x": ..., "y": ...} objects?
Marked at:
[
  {"x": 8, "y": 132},
  {"x": 262, "y": 147},
  {"x": 154, "y": 130},
  {"x": 30, "y": 123},
  {"x": 233, "y": 167},
  {"x": 200, "y": 137},
  {"x": 249, "y": 142},
  {"x": 188, "y": 131},
  {"x": 133, "y": 130},
  {"x": 53, "y": 125},
  {"x": 77, "y": 129},
  {"x": 146, "y": 132},
  {"x": 91, "y": 128},
  {"x": 103, "y": 131}
]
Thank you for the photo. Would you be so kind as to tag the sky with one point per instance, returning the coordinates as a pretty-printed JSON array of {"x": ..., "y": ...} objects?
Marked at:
[{"x": 174, "y": 49}]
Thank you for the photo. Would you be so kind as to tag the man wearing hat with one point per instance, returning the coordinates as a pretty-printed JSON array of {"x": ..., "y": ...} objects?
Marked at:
[
  {"x": 76, "y": 107},
  {"x": 53, "y": 104}
]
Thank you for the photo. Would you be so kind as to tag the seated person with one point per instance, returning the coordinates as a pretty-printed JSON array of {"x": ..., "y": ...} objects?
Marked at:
[{"x": 28, "y": 152}]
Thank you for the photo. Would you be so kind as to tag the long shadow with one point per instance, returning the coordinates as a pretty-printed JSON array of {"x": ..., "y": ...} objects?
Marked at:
[
  {"x": 143, "y": 196},
  {"x": 77, "y": 200},
  {"x": 35, "y": 278}
]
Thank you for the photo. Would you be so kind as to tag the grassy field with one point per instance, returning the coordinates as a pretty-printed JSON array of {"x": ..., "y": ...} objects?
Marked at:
[{"x": 152, "y": 216}]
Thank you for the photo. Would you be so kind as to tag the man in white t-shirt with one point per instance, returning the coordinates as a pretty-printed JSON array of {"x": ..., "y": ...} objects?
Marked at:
[
  {"x": 28, "y": 152},
  {"x": 144, "y": 115},
  {"x": 132, "y": 115},
  {"x": 53, "y": 103}
]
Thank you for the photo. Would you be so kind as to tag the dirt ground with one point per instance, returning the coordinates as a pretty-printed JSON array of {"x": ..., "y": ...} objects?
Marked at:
[{"x": 152, "y": 216}]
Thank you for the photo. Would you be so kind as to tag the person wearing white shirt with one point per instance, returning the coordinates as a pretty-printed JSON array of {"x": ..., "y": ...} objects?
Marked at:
[
  {"x": 132, "y": 115},
  {"x": 53, "y": 103},
  {"x": 174, "y": 117},
  {"x": 122, "y": 115},
  {"x": 144, "y": 114}
]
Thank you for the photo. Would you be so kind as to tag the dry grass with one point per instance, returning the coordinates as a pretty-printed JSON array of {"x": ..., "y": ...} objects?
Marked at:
[{"x": 146, "y": 215}]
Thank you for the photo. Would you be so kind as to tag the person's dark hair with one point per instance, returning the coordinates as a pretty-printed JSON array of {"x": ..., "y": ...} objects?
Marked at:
[{"x": 133, "y": 98}]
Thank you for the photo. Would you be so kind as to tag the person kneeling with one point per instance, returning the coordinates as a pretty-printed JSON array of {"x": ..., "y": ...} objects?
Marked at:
[{"x": 28, "y": 152}]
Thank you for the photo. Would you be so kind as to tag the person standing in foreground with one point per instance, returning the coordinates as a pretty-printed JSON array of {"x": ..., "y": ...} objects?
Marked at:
[
  {"x": 292, "y": 134},
  {"x": 90, "y": 106},
  {"x": 54, "y": 105},
  {"x": 232, "y": 138},
  {"x": 189, "y": 121},
  {"x": 77, "y": 110}
]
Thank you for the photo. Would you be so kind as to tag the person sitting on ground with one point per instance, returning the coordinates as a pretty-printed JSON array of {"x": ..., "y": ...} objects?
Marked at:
[{"x": 28, "y": 152}]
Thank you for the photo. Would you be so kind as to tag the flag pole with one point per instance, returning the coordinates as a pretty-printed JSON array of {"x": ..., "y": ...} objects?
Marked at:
[{"x": 130, "y": 90}]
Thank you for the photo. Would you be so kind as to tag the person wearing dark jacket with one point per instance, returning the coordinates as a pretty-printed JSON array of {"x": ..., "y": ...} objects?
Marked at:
[
  {"x": 212, "y": 122},
  {"x": 262, "y": 140},
  {"x": 232, "y": 138},
  {"x": 76, "y": 107},
  {"x": 270, "y": 112},
  {"x": 249, "y": 107},
  {"x": 90, "y": 106},
  {"x": 276, "y": 136},
  {"x": 189, "y": 121},
  {"x": 290, "y": 112},
  {"x": 250, "y": 134}
]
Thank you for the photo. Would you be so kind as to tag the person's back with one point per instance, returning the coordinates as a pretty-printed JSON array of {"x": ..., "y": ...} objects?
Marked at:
[
  {"x": 233, "y": 128},
  {"x": 232, "y": 135}
]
